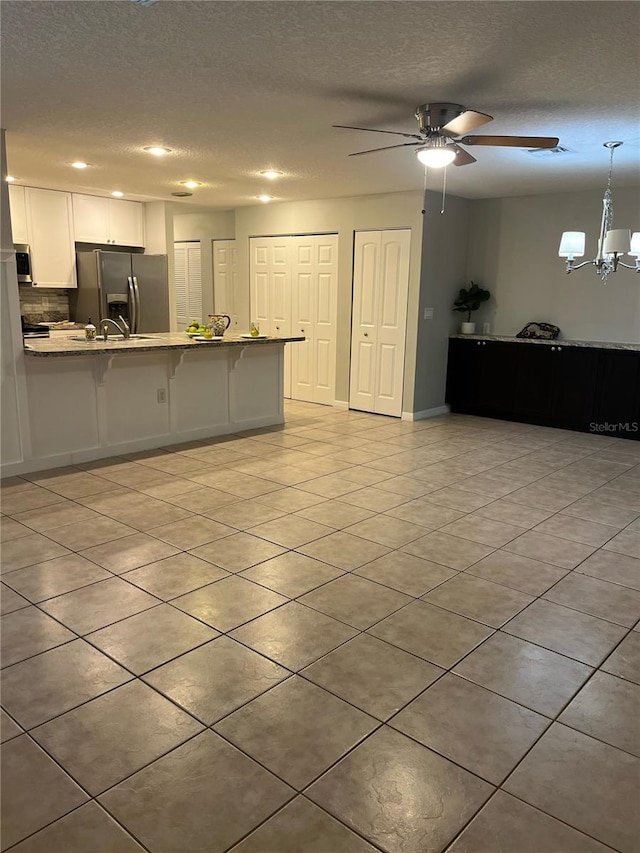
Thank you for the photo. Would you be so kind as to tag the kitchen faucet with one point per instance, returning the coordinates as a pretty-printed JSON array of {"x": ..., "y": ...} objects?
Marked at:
[{"x": 124, "y": 330}]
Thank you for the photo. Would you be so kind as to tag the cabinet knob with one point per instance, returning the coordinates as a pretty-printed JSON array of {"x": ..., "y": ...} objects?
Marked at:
[
  {"x": 559, "y": 349},
  {"x": 302, "y": 331},
  {"x": 484, "y": 343},
  {"x": 553, "y": 349},
  {"x": 366, "y": 334},
  {"x": 479, "y": 342}
]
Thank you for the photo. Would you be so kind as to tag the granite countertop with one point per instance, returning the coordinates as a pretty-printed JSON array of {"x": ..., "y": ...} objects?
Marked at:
[
  {"x": 561, "y": 343},
  {"x": 65, "y": 346}
]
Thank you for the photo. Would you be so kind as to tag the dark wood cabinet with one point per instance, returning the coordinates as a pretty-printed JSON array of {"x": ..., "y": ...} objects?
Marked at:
[
  {"x": 577, "y": 388},
  {"x": 481, "y": 377}
]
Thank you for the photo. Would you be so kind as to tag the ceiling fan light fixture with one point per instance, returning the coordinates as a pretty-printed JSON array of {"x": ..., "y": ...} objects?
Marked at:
[{"x": 436, "y": 156}]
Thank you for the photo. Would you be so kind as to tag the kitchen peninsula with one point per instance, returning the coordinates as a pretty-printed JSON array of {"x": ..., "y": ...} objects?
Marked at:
[{"x": 92, "y": 399}]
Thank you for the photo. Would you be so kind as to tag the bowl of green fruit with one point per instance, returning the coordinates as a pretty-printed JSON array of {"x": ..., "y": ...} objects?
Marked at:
[{"x": 195, "y": 328}]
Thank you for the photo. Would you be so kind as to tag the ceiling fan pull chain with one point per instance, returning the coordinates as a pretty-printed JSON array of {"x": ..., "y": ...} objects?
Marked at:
[
  {"x": 444, "y": 188},
  {"x": 424, "y": 192}
]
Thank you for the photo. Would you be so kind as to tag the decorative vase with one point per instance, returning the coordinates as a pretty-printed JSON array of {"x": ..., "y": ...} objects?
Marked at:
[{"x": 468, "y": 328}]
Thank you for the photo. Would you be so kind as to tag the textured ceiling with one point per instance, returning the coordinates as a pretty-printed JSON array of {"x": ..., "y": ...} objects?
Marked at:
[{"x": 235, "y": 87}]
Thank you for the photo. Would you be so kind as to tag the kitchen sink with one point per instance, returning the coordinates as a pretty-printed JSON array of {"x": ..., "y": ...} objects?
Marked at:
[{"x": 113, "y": 338}]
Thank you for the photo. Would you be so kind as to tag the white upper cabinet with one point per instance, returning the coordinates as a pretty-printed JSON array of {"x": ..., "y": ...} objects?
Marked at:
[
  {"x": 49, "y": 220},
  {"x": 108, "y": 220},
  {"x": 18, "y": 214}
]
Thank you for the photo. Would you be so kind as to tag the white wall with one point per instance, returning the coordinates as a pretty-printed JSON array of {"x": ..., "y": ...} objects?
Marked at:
[
  {"x": 513, "y": 252},
  {"x": 444, "y": 262},
  {"x": 205, "y": 227},
  {"x": 342, "y": 216}
]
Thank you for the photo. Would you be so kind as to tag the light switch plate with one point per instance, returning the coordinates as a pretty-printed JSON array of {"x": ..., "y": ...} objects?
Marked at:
[{"x": 428, "y": 314}]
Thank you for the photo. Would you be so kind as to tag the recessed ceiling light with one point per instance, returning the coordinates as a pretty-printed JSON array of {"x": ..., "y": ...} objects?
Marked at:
[
  {"x": 271, "y": 174},
  {"x": 117, "y": 193},
  {"x": 264, "y": 197},
  {"x": 157, "y": 150},
  {"x": 10, "y": 179},
  {"x": 79, "y": 164},
  {"x": 192, "y": 185}
]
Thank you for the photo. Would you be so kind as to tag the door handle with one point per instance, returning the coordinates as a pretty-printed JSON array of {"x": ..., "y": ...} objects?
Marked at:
[
  {"x": 136, "y": 291},
  {"x": 133, "y": 318}
]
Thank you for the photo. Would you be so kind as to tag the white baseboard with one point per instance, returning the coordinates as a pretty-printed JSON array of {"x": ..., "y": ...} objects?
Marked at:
[
  {"x": 343, "y": 405},
  {"x": 426, "y": 413},
  {"x": 92, "y": 454}
]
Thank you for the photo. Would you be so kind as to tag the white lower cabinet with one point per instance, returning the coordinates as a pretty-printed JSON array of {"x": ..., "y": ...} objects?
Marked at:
[
  {"x": 379, "y": 319},
  {"x": 49, "y": 219},
  {"x": 294, "y": 289},
  {"x": 108, "y": 220}
]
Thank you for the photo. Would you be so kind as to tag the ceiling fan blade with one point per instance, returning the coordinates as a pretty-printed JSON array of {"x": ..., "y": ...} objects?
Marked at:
[
  {"x": 386, "y": 148},
  {"x": 466, "y": 121},
  {"x": 512, "y": 141},
  {"x": 463, "y": 158},
  {"x": 374, "y": 130}
]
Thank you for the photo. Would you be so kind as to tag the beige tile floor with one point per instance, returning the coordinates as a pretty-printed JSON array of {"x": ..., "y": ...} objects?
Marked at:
[{"x": 350, "y": 634}]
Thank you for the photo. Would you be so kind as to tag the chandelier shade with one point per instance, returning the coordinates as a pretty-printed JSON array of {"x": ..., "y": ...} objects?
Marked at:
[{"x": 572, "y": 244}]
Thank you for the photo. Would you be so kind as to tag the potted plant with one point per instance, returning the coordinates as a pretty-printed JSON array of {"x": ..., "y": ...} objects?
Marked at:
[{"x": 470, "y": 300}]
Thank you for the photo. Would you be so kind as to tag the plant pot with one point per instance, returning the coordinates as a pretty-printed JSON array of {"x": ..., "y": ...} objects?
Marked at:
[{"x": 468, "y": 328}]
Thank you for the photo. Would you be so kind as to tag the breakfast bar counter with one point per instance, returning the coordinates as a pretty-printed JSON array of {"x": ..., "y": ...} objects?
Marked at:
[
  {"x": 72, "y": 344},
  {"x": 89, "y": 400}
]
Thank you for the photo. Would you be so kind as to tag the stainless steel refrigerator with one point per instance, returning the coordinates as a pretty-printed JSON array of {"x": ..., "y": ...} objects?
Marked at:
[{"x": 113, "y": 284}]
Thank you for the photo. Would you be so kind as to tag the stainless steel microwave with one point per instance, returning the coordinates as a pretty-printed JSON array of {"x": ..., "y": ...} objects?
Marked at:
[{"x": 23, "y": 263}]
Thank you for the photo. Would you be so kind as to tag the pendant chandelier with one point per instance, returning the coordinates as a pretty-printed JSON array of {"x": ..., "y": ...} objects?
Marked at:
[{"x": 612, "y": 242}]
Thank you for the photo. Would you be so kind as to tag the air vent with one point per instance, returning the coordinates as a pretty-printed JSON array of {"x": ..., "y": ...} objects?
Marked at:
[
  {"x": 181, "y": 194},
  {"x": 550, "y": 152}
]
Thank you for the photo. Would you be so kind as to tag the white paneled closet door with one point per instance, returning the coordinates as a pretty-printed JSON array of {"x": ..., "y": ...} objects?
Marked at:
[
  {"x": 188, "y": 283},
  {"x": 294, "y": 286},
  {"x": 314, "y": 310},
  {"x": 378, "y": 332},
  {"x": 224, "y": 277}
]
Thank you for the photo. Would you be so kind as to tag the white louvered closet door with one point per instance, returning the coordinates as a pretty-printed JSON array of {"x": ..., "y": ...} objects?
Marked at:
[
  {"x": 378, "y": 332},
  {"x": 188, "y": 283},
  {"x": 224, "y": 277}
]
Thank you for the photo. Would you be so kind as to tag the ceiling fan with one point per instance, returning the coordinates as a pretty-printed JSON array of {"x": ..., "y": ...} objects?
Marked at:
[{"x": 442, "y": 129}]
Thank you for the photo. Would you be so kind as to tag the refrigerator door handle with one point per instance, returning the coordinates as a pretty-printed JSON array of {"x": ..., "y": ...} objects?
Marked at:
[
  {"x": 133, "y": 318},
  {"x": 137, "y": 298}
]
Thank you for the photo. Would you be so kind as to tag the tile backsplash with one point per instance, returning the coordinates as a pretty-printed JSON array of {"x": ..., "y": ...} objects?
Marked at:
[{"x": 40, "y": 305}]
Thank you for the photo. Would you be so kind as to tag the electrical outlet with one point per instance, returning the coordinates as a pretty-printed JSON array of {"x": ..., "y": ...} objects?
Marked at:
[
  {"x": 162, "y": 395},
  {"x": 486, "y": 328}
]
